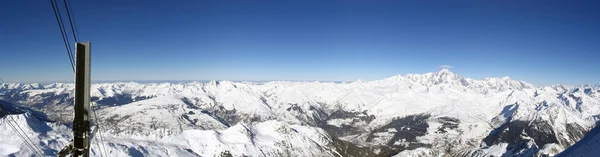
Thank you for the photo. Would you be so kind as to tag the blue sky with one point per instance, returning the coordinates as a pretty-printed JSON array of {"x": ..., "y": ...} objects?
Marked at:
[{"x": 541, "y": 42}]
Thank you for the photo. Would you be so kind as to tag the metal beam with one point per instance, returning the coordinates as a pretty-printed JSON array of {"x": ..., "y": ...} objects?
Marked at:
[{"x": 81, "y": 121}]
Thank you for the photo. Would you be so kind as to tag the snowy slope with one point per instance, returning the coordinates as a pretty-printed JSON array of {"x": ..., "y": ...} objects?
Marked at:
[
  {"x": 434, "y": 114},
  {"x": 46, "y": 135},
  {"x": 269, "y": 138},
  {"x": 587, "y": 146}
]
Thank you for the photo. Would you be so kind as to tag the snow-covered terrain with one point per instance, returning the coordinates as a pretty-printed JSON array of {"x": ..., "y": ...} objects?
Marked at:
[
  {"x": 432, "y": 114},
  {"x": 587, "y": 146}
]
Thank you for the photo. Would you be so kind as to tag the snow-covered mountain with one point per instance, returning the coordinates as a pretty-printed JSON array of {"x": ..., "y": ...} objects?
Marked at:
[
  {"x": 432, "y": 114},
  {"x": 587, "y": 146}
]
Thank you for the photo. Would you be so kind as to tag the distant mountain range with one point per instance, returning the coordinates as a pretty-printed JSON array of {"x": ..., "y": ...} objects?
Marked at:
[{"x": 433, "y": 114}]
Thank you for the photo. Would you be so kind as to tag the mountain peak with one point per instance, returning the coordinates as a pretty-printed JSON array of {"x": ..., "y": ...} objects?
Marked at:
[
  {"x": 444, "y": 76},
  {"x": 444, "y": 72}
]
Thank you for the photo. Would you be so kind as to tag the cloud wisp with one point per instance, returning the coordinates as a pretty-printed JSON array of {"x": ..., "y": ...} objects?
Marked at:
[{"x": 446, "y": 67}]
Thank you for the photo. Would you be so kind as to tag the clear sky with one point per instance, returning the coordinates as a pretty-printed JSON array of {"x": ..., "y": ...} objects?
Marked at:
[{"x": 541, "y": 42}]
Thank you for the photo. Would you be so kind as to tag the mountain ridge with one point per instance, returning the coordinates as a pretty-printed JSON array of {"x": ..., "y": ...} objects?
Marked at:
[{"x": 408, "y": 114}]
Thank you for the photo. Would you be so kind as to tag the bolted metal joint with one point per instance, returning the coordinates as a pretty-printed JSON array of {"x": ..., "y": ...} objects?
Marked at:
[{"x": 81, "y": 127}]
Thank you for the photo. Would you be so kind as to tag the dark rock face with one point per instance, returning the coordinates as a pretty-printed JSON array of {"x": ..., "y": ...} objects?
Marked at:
[
  {"x": 575, "y": 133},
  {"x": 227, "y": 117},
  {"x": 526, "y": 137},
  {"x": 295, "y": 108},
  {"x": 341, "y": 131},
  {"x": 519, "y": 133},
  {"x": 448, "y": 123},
  {"x": 9, "y": 108},
  {"x": 469, "y": 153},
  {"x": 590, "y": 136},
  {"x": 13, "y": 95},
  {"x": 119, "y": 99},
  {"x": 542, "y": 132},
  {"x": 341, "y": 114},
  {"x": 318, "y": 115},
  {"x": 348, "y": 149},
  {"x": 347, "y": 129},
  {"x": 511, "y": 133},
  {"x": 406, "y": 129}
]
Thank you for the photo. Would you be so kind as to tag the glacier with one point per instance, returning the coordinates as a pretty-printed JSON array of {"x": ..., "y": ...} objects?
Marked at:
[{"x": 433, "y": 114}]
